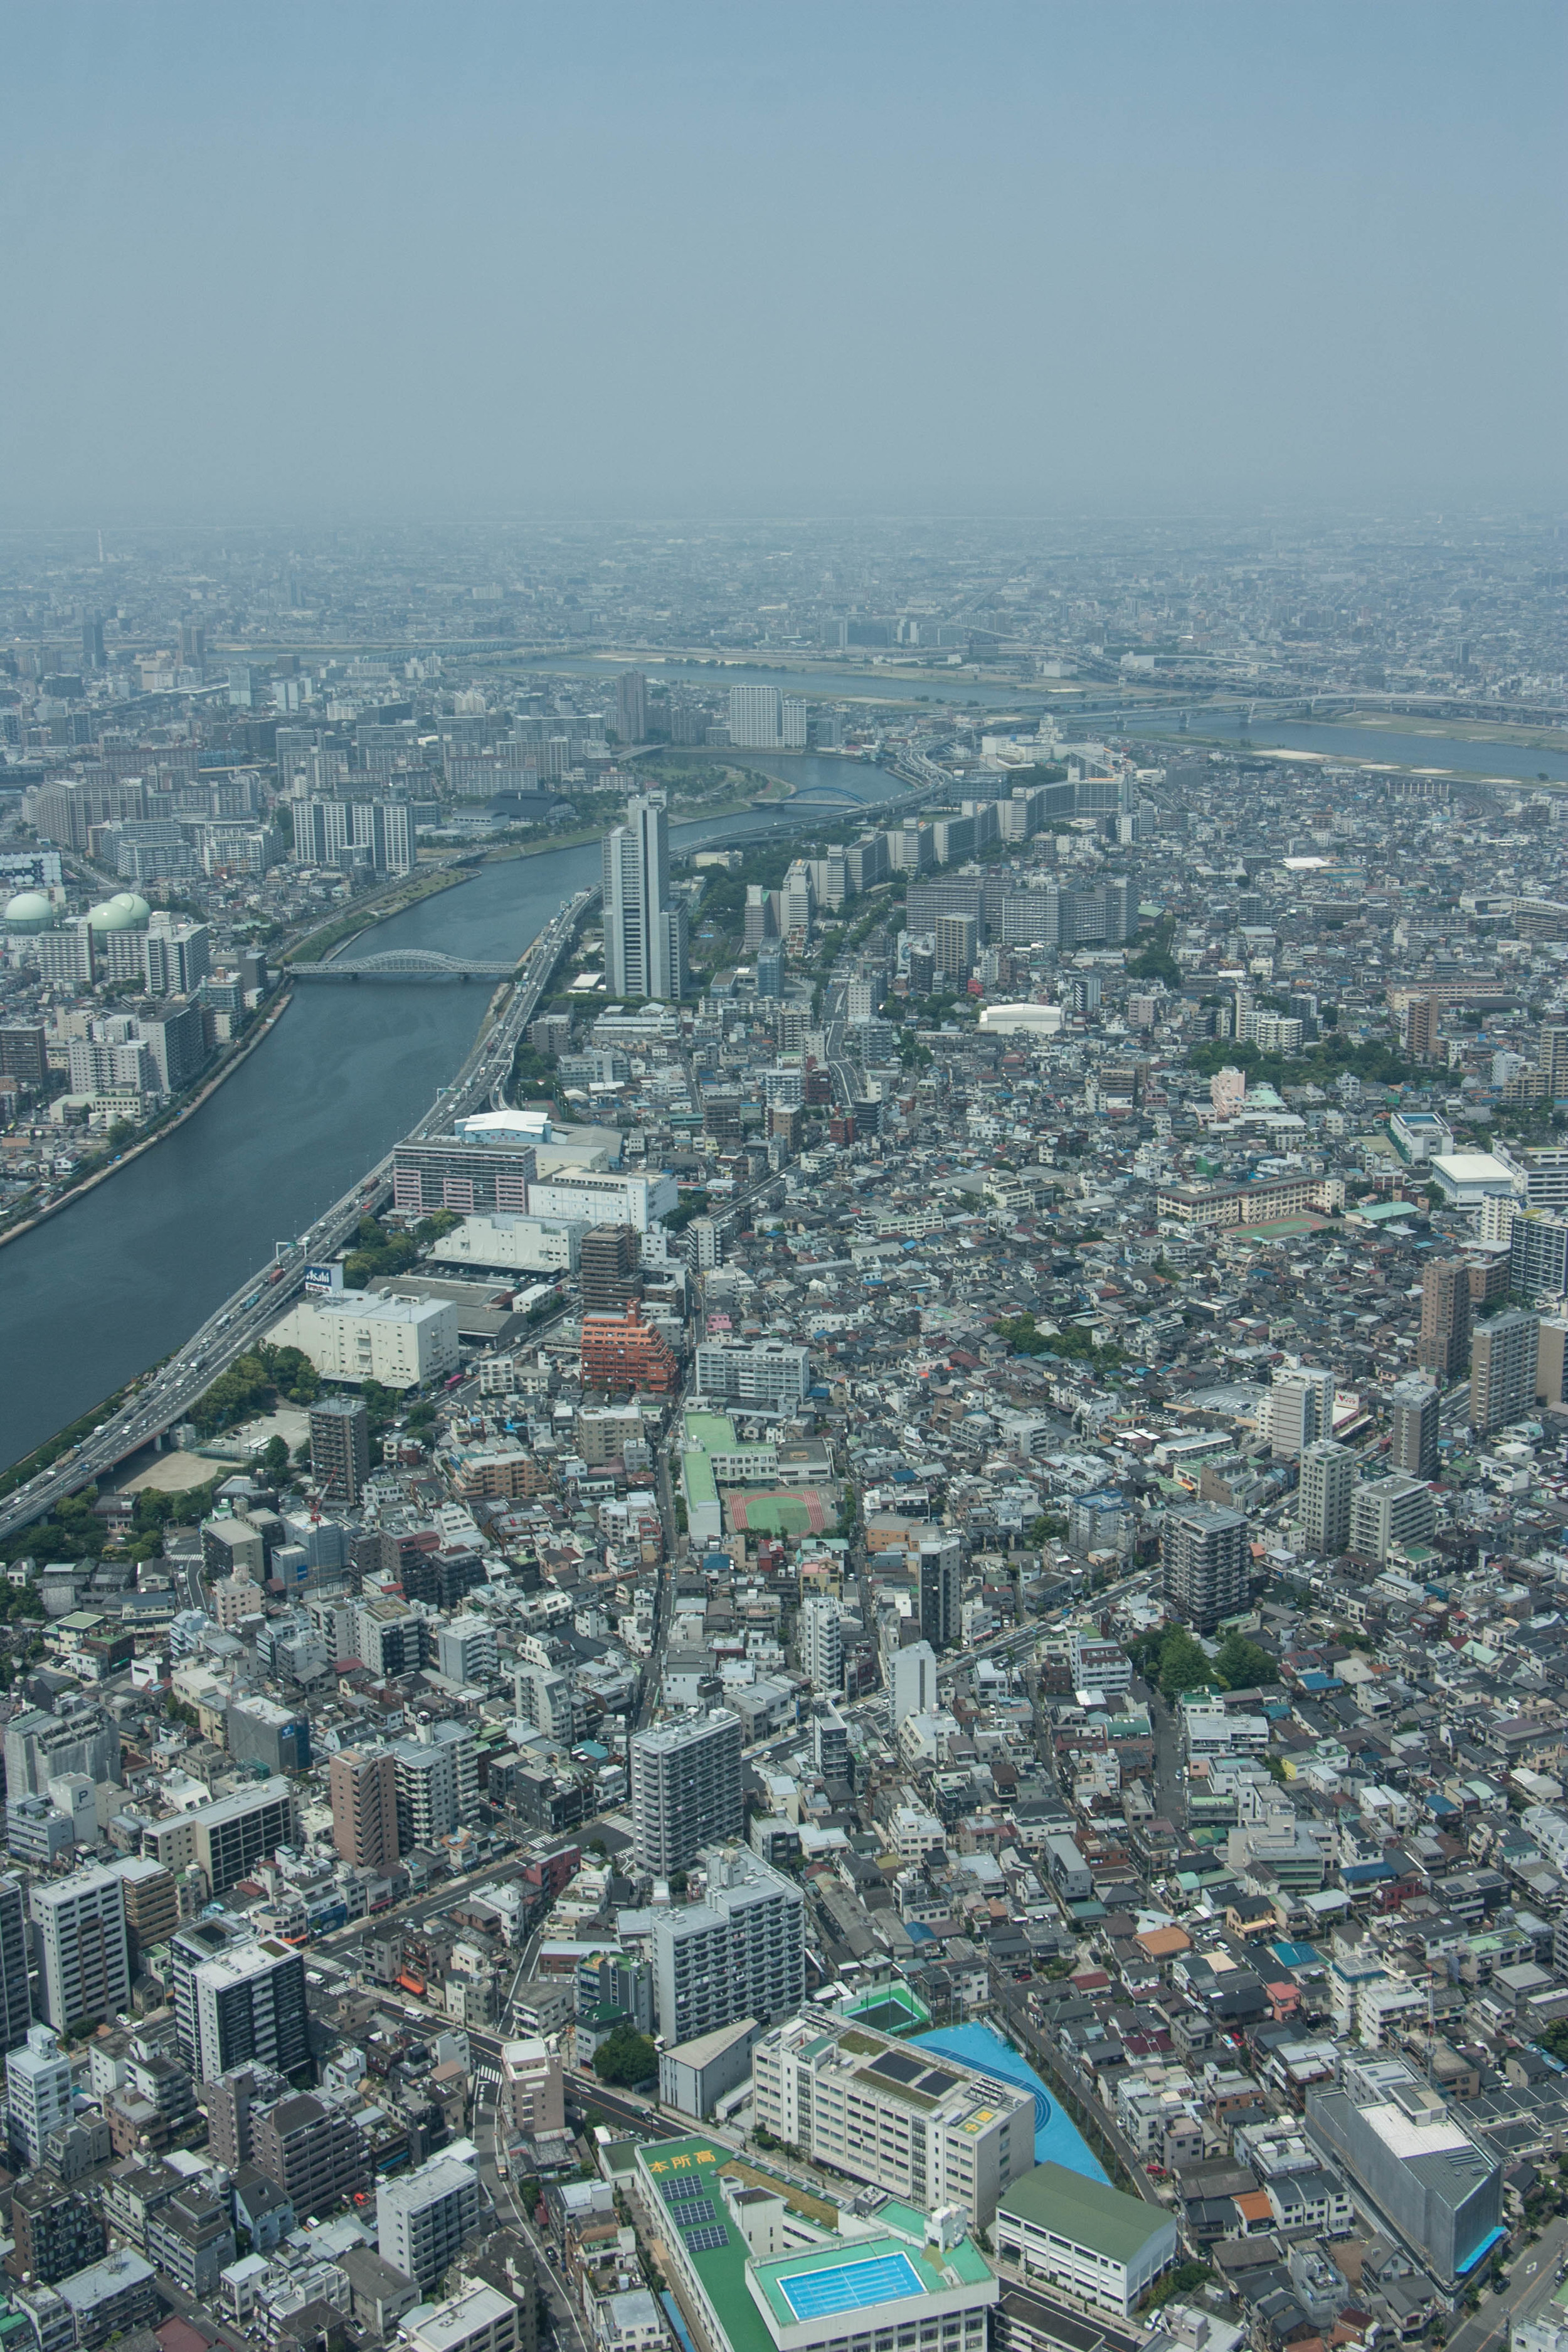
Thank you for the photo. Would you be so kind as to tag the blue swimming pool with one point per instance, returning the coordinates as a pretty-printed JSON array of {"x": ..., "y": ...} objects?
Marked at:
[
  {"x": 1057, "y": 2139},
  {"x": 850, "y": 2286}
]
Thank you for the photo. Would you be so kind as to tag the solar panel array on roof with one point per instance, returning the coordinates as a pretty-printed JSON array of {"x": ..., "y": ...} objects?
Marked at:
[
  {"x": 706, "y": 2240},
  {"x": 899, "y": 2066},
  {"x": 937, "y": 2082}
]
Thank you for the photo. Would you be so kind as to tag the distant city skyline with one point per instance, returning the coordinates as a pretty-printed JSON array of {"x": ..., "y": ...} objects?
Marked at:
[{"x": 718, "y": 262}]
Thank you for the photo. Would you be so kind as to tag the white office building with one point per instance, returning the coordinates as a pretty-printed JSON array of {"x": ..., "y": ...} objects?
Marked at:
[
  {"x": 635, "y": 1199},
  {"x": 362, "y": 1335},
  {"x": 686, "y": 1788},
  {"x": 766, "y": 1375},
  {"x": 422, "y": 2220},
  {"x": 928, "y": 2130},
  {"x": 86, "y": 1967},
  {"x": 514, "y": 1244}
]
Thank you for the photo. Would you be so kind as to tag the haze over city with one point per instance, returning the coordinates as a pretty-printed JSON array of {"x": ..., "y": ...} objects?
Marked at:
[{"x": 390, "y": 263}]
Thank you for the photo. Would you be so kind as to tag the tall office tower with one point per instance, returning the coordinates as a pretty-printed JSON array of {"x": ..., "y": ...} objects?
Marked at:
[
  {"x": 912, "y": 1682},
  {"x": 644, "y": 928},
  {"x": 631, "y": 706},
  {"x": 1503, "y": 1358},
  {"x": 741, "y": 1952},
  {"x": 37, "y": 2091},
  {"x": 1203, "y": 1562},
  {"x": 771, "y": 972},
  {"x": 16, "y": 2000},
  {"x": 250, "y": 2006},
  {"x": 608, "y": 1268},
  {"x": 364, "y": 1808},
  {"x": 686, "y": 1788},
  {"x": 193, "y": 643},
  {"x": 1300, "y": 1411},
  {"x": 756, "y": 717},
  {"x": 86, "y": 1969},
  {"x": 1444, "y": 1344},
  {"x": 941, "y": 1585},
  {"x": 340, "y": 1447},
  {"x": 957, "y": 944},
  {"x": 822, "y": 1644},
  {"x": 1415, "y": 1407},
  {"x": 437, "y": 1784},
  {"x": 1327, "y": 1474},
  {"x": 422, "y": 2220},
  {"x": 92, "y": 654}
]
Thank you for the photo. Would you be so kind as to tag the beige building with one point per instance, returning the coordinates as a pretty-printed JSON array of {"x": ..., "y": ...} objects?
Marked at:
[
  {"x": 355, "y": 1336},
  {"x": 533, "y": 2086}
]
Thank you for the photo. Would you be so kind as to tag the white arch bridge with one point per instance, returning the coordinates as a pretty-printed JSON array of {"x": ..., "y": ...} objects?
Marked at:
[{"x": 404, "y": 963}]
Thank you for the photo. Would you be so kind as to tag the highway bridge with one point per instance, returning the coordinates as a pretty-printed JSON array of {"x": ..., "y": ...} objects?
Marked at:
[{"x": 404, "y": 963}]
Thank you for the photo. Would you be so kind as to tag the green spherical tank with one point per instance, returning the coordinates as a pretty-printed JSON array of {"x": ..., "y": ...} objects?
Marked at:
[
  {"x": 124, "y": 912},
  {"x": 27, "y": 912}
]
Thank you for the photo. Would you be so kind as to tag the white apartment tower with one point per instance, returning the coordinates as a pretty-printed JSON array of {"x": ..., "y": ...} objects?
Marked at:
[
  {"x": 422, "y": 2220},
  {"x": 822, "y": 1644},
  {"x": 1328, "y": 1476},
  {"x": 686, "y": 1788},
  {"x": 644, "y": 928},
  {"x": 86, "y": 1969},
  {"x": 741, "y": 1952},
  {"x": 756, "y": 717},
  {"x": 37, "y": 2091}
]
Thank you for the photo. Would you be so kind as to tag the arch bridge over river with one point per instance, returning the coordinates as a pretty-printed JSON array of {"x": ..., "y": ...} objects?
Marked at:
[{"x": 404, "y": 963}]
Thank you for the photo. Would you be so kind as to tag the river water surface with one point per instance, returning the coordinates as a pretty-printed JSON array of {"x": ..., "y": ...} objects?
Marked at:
[{"x": 119, "y": 1279}]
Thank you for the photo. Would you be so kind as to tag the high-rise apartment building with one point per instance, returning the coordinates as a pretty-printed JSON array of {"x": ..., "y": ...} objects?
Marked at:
[
  {"x": 1300, "y": 1411},
  {"x": 1415, "y": 1413},
  {"x": 190, "y": 1949},
  {"x": 437, "y": 1784},
  {"x": 340, "y": 1447},
  {"x": 16, "y": 1998},
  {"x": 645, "y": 927},
  {"x": 1327, "y": 1474},
  {"x": 37, "y": 2091},
  {"x": 1386, "y": 1512},
  {"x": 822, "y": 1644},
  {"x": 1503, "y": 1356},
  {"x": 250, "y": 2006},
  {"x": 756, "y": 717},
  {"x": 317, "y": 2156},
  {"x": 911, "y": 1681},
  {"x": 686, "y": 1788},
  {"x": 422, "y": 2220},
  {"x": 1444, "y": 1343},
  {"x": 957, "y": 945},
  {"x": 363, "y": 1790},
  {"x": 741, "y": 1952},
  {"x": 607, "y": 1268},
  {"x": 631, "y": 706},
  {"x": 234, "y": 2102},
  {"x": 151, "y": 1905},
  {"x": 770, "y": 1374},
  {"x": 622, "y": 1351},
  {"x": 942, "y": 1587},
  {"x": 1204, "y": 1561},
  {"x": 86, "y": 1970}
]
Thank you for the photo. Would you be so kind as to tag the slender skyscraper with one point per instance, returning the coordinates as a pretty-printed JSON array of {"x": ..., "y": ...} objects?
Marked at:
[{"x": 645, "y": 929}]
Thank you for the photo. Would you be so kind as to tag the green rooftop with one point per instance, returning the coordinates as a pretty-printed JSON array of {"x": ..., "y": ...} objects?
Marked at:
[
  {"x": 713, "y": 1430},
  {"x": 1084, "y": 2210}
]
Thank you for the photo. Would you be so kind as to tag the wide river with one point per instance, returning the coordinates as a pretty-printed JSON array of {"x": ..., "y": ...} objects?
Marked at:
[{"x": 124, "y": 1275}]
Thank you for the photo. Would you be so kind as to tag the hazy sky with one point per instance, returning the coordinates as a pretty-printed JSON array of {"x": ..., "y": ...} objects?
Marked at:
[{"x": 659, "y": 258}]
